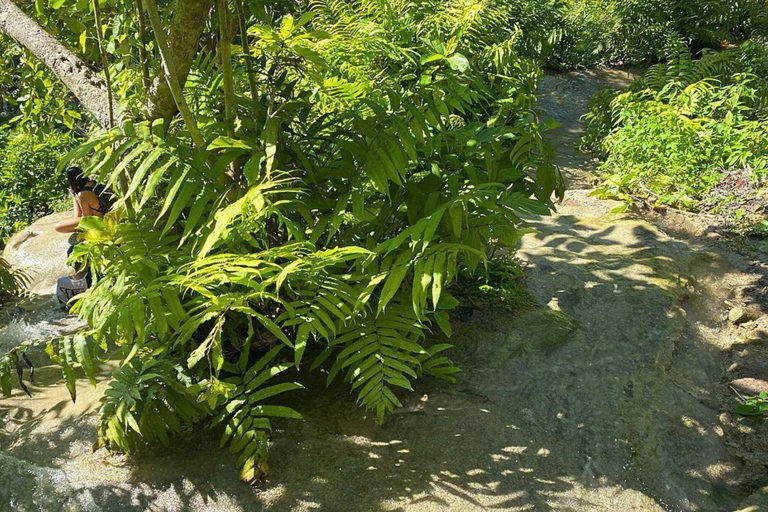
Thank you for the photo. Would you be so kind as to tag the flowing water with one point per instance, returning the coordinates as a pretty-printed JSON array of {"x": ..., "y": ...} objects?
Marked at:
[{"x": 32, "y": 318}]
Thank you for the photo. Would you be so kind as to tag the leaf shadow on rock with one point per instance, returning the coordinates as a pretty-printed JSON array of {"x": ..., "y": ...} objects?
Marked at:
[{"x": 603, "y": 398}]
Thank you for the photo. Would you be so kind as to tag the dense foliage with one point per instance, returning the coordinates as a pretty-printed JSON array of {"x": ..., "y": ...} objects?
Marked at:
[
  {"x": 639, "y": 31},
  {"x": 678, "y": 129},
  {"x": 12, "y": 281},
  {"x": 341, "y": 174},
  {"x": 39, "y": 121},
  {"x": 372, "y": 153},
  {"x": 31, "y": 186}
]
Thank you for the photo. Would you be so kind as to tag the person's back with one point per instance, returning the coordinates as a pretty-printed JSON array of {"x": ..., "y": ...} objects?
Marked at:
[
  {"x": 90, "y": 199},
  {"x": 98, "y": 198}
]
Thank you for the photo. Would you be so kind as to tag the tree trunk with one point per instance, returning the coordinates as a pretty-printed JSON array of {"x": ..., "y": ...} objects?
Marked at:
[
  {"x": 170, "y": 75},
  {"x": 189, "y": 17},
  {"x": 84, "y": 83}
]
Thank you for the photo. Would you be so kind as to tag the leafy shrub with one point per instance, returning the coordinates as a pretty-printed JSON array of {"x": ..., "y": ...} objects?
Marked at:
[
  {"x": 676, "y": 131},
  {"x": 33, "y": 99},
  {"x": 381, "y": 150},
  {"x": 533, "y": 26},
  {"x": 754, "y": 405},
  {"x": 30, "y": 184},
  {"x": 12, "y": 281},
  {"x": 630, "y": 31},
  {"x": 499, "y": 286}
]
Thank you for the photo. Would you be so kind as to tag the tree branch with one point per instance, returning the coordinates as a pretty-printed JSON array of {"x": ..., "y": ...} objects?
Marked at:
[
  {"x": 170, "y": 75},
  {"x": 189, "y": 17},
  {"x": 84, "y": 83}
]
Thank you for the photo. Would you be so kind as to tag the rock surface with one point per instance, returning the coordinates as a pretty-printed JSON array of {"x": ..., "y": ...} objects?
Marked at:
[
  {"x": 749, "y": 386},
  {"x": 757, "y": 502},
  {"x": 739, "y": 316},
  {"x": 41, "y": 252},
  {"x": 564, "y": 97},
  {"x": 606, "y": 399}
]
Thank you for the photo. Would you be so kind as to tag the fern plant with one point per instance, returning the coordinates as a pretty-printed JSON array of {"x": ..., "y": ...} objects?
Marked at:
[
  {"x": 375, "y": 152},
  {"x": 12, "y": 281}
]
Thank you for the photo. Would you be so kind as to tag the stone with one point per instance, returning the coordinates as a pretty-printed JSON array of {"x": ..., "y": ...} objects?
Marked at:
[
  {"x": 750, "y": 386},
  {"x": 41, "y": 252},
  {"x": 739, "y": 315}
]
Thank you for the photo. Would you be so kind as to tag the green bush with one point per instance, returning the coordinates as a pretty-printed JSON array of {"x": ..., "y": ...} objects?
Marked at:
[
  {"x": 382, "y": 149},
  {"x": 633, "y": 31},
  {"x": 12, "y": 281},
  {"x": 30, "y": 184},
  {"x": 500, "y": 285},
  {"x": 676, "y": 131}
]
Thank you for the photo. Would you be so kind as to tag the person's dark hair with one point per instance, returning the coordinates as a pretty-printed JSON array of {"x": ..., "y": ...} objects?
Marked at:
[{"x": 77, "y": 179}]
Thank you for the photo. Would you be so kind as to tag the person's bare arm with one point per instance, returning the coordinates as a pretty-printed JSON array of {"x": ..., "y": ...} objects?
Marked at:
[
  {"x": 70, "y": 225},
  {"x": 67, "y": 225},
  {"x": 77, "y": 207}
]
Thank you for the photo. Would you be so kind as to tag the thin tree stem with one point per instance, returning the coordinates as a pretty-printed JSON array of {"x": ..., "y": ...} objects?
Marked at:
[
  {"x": 104, "y": 62},
  {"x": 170, "y": 73},
  {"x": 246, "y": 48},
  {"x": 225, "y": 51},
  {"x": 230, "y": 106},
  {"x": 143, "y": 55},
  {"x": 123, "y": 180}
]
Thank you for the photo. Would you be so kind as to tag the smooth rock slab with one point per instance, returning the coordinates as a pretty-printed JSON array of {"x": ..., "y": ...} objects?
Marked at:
[
  {"x": 750, "y": 386},
  {"x": 41, "y": 252},
  {"x": 637, "y": 386}
]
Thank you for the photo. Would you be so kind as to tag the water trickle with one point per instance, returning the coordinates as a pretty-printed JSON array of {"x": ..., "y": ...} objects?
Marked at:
[{"x": 33, "y": 318}]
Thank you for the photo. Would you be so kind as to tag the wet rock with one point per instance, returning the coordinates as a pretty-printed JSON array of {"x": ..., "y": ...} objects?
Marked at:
[
  {"x": 41, "y": 252},
  {"x": 750, "y": 359},
  {"x": 622, "y": 279},
  {"x": 750, "y": 386}
]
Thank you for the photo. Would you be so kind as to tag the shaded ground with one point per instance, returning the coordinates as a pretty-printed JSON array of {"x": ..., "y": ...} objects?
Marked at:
[
  {"x": 611, "y": 396},
  {"x": 564, "y": 97}
]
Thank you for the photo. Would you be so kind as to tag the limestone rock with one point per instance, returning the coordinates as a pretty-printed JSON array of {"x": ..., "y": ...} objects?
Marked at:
[
  {"x": 738, "y": 315},
  {"x": 750, "y": 386},
  {"x": 756, "y": 502},
  {"x": 41, "y": 252}
]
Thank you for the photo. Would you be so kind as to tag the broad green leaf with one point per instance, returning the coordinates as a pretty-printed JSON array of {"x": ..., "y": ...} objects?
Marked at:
[
  {"x": 83, "y": 355},
  {"x": 392, "y": 285},
  {"x": 278, "y": 411},
  {"x": 458, "y": 62},
  {"x": 223, "y": 142}
]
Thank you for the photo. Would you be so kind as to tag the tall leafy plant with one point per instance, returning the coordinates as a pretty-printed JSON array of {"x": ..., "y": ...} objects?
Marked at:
[
  {"x": 372, "y": 152},
  {"x": 680, "y": 127},
  {"x": 12, "y": 281},
  {"x": 638, "y": 31},
  {"x": 31, "y": 186}
]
